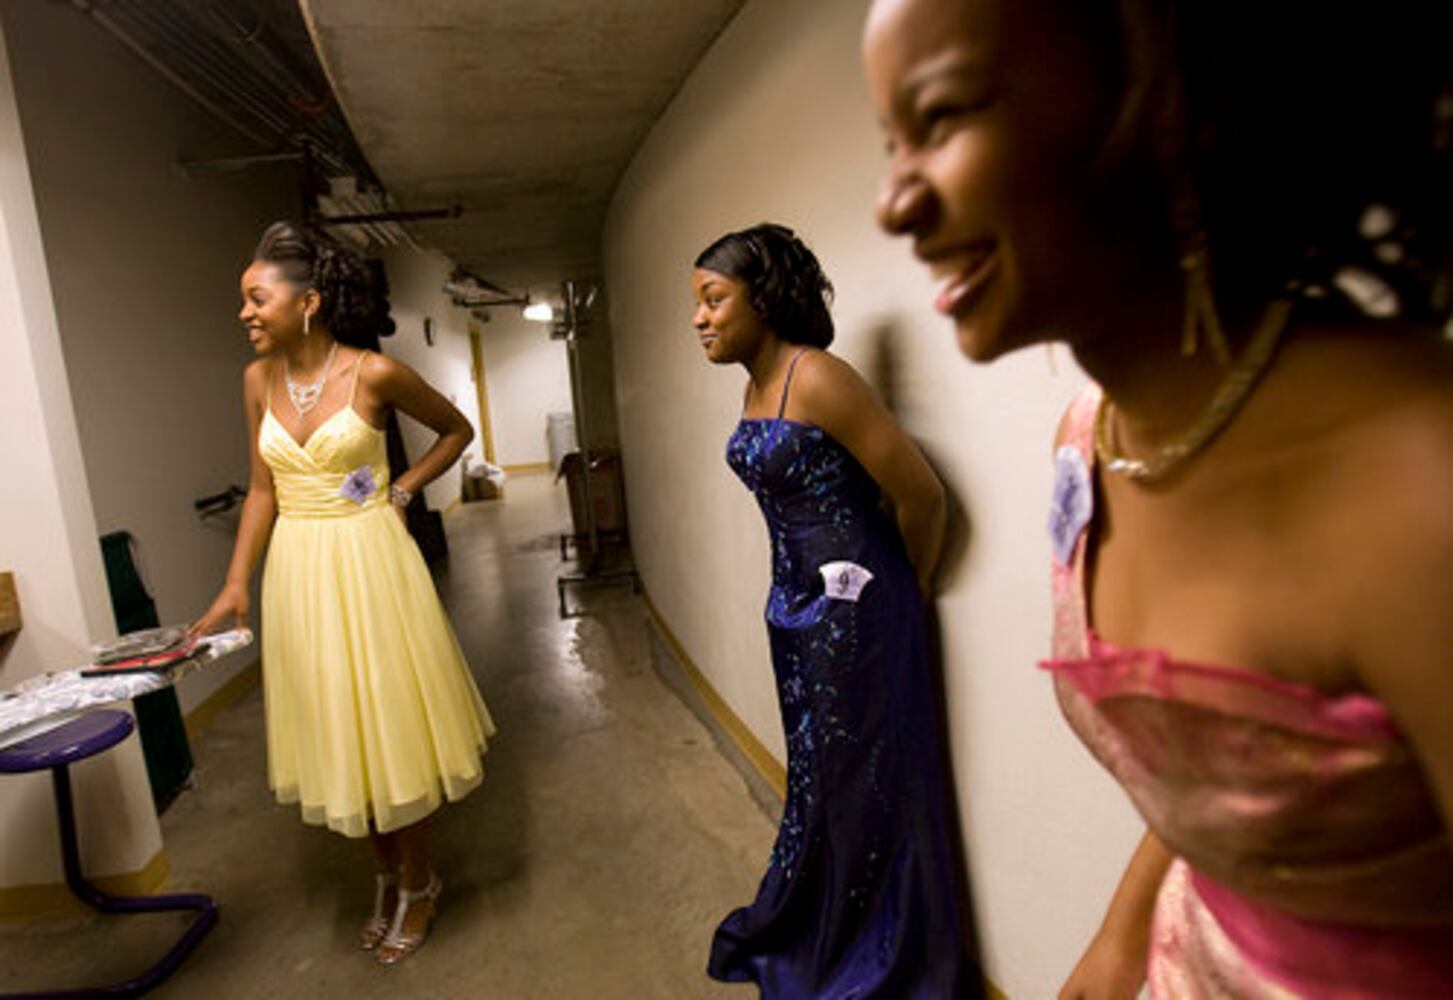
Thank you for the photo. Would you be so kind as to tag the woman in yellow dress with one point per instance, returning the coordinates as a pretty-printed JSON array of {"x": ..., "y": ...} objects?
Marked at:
[{"x": 372, "y": 716}]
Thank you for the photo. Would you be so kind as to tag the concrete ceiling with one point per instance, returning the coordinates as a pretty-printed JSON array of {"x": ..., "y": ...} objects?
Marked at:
[{"x": 525, "y": 112}]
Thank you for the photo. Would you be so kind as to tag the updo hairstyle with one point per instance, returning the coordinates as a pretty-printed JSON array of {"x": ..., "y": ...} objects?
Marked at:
[
  {"x": 785, "y": 282},
  {"x": 353, "y": 291}
]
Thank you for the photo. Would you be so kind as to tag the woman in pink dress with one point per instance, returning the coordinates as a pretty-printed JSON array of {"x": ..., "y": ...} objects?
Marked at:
[{"x": 1238, "y": 218}]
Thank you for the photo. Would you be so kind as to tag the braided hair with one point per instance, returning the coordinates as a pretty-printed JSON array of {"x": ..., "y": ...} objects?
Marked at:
[
  {"x": 785, "y": 283},
  {"x": 353, "y": 291}
]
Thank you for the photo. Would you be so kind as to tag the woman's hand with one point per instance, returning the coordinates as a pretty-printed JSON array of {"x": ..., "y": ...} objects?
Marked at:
[
  {"x": 229, "y": 610},
  {"x": 1115, "y": 964},
  {"x": 1112, "y": 968}
]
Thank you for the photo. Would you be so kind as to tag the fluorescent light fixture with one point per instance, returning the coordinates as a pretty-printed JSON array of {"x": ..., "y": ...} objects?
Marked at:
[{"x": 540, "y": 312}]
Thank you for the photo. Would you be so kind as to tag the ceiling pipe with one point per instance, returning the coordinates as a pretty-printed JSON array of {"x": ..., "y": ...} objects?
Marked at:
[
  {"x": 158, "y": 24},
  {"x": 235, "y": 164},
  {"x": 215, "y": 59},
  {"x": 88, "y": 8},
  {"x": 453, "y": 212},
  {"x": 361, "y": 233},
  {"x": 245, "y": 76},
  {"x": 361, "y": 203},
  {"x": 214, "y": 63},
  {"x": 259, "y": 80},
  {"x": 307, "y": 98},
  {"x": 465, "y": 276},
  {"x": 204, "y": 62}
]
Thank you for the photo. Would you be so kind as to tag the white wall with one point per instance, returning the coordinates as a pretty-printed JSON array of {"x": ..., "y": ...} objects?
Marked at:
[
  {"x": 48, "y": 539},
  {"x": 775, "y": 124},
  {"x": 416, "y": 281},
  {"x": 145, "y": 265},
  {"x": 528, "y": 377}
]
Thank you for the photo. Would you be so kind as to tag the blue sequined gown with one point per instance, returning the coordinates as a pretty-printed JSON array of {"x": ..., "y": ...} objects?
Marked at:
[{"x": 862, "y": 897}]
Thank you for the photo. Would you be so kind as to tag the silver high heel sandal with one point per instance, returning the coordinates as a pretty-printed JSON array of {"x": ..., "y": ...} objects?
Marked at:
[
  {"x": 396, "y": 945},
  {"x": 375, "y": 928}
]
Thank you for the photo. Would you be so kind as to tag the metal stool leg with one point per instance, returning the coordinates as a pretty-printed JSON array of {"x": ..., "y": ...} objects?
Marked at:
[{"x": 106, "y": 903}]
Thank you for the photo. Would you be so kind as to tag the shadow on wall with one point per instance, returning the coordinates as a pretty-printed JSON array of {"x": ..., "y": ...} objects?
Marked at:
[{"x": 883, "y": 370}]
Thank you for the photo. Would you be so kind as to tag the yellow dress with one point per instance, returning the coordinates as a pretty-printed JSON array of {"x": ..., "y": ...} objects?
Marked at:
[{"x": 372, "y": 715}]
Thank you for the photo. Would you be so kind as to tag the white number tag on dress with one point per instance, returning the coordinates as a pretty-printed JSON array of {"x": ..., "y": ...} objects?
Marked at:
[{"x": 844, "y": 580}]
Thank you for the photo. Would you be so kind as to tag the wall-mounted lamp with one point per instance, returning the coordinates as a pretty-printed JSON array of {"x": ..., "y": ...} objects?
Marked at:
[{"x": 539, "y": 312}]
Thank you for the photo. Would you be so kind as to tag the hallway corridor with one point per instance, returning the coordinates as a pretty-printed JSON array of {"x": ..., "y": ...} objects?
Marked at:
[{"x": 609, "y": 836}]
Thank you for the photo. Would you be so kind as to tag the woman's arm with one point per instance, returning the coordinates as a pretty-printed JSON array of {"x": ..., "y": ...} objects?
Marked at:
[
  {"x": 254, "y": 527},
  {"x": 826, "y": 391},
  {"x": 1398, "y": 587},
  {"x": 1113, "y": 966},
  {"x": 393, "y": 383}
]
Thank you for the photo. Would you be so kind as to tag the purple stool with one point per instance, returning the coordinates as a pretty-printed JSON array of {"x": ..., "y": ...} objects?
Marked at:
[{"x": 58, "y": 750}]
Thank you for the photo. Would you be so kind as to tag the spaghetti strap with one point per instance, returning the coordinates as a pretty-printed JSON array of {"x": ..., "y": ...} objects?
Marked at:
[
  {"x": 357, "y": 367},
  {"x": 787, "y": 383}
]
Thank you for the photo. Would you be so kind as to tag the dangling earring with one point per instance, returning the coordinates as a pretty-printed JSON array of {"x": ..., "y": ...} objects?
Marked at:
[
  {"x": 306, "y": 318},
  {"x": 1201, "y": 314},
  {"x": 1201, "y": 317}
]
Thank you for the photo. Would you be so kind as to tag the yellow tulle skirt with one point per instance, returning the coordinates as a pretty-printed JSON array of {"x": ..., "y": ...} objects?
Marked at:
[{"x": 373, "y": 719}]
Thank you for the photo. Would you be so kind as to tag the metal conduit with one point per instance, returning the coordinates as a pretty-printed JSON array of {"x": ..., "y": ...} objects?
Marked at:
[
  {"x": 310, "y": 98},
  {"x": 125, "y": 38},
  {"x": 238, "y": 74},
  {"x": 249, "y": 67},
  {"x": 195, "y": 54},
  {"x": 228, "y": 58}
]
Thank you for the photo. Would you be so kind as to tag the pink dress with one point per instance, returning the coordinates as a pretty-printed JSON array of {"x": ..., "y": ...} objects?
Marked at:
[{"x": 1311, "y": 858}]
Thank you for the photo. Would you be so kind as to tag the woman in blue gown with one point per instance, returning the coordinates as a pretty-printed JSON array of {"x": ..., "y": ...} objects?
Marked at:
[{"x": 863, "y": 896}]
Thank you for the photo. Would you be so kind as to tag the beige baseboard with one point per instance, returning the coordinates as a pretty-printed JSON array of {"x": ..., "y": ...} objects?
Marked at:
[
  {"x": 528, "y": 469},
  {"x": 24, "y": 903},
  {"x": 223, "y": 698},
  {"x": 760, "y": 757}
]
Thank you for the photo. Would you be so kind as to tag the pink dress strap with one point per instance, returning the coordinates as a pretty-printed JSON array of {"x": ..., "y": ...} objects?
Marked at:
[{"x": 1072, "y": 512}]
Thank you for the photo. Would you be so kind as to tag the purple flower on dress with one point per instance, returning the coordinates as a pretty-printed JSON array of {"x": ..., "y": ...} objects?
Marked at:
[
  {"x": 358, "y": 485},
  {"x": 1072, "y": 503}
]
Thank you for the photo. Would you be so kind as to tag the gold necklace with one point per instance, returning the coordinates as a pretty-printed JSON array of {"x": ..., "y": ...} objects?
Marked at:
[{"x": 1223, "y": 406}]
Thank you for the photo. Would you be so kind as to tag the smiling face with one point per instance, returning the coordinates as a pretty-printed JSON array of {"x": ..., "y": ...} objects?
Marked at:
[
  {"x": 994, "y": 112},
  {"x": 729, "y": 328},
  {"x": 272, "y": 307}
]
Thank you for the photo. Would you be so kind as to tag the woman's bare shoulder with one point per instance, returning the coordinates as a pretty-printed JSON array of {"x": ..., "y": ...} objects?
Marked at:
[
  {"x": 823, "y": 378},
  {"x": 378, "y": 371},
  {"x": 1398, "y": 374},
  {"x": 1373, "y": 422},
  {"x": 255, "y": 376}
]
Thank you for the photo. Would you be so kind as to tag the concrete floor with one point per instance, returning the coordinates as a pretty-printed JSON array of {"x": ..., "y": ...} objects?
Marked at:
[{"x": 611, "y": 833}]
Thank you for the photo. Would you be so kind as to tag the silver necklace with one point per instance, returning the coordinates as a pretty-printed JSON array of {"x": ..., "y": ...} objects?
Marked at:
[{"x": 305, "y": 395}]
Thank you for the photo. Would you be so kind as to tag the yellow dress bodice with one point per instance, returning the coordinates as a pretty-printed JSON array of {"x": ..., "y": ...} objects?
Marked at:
[{"x": 342, "y": 469}]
